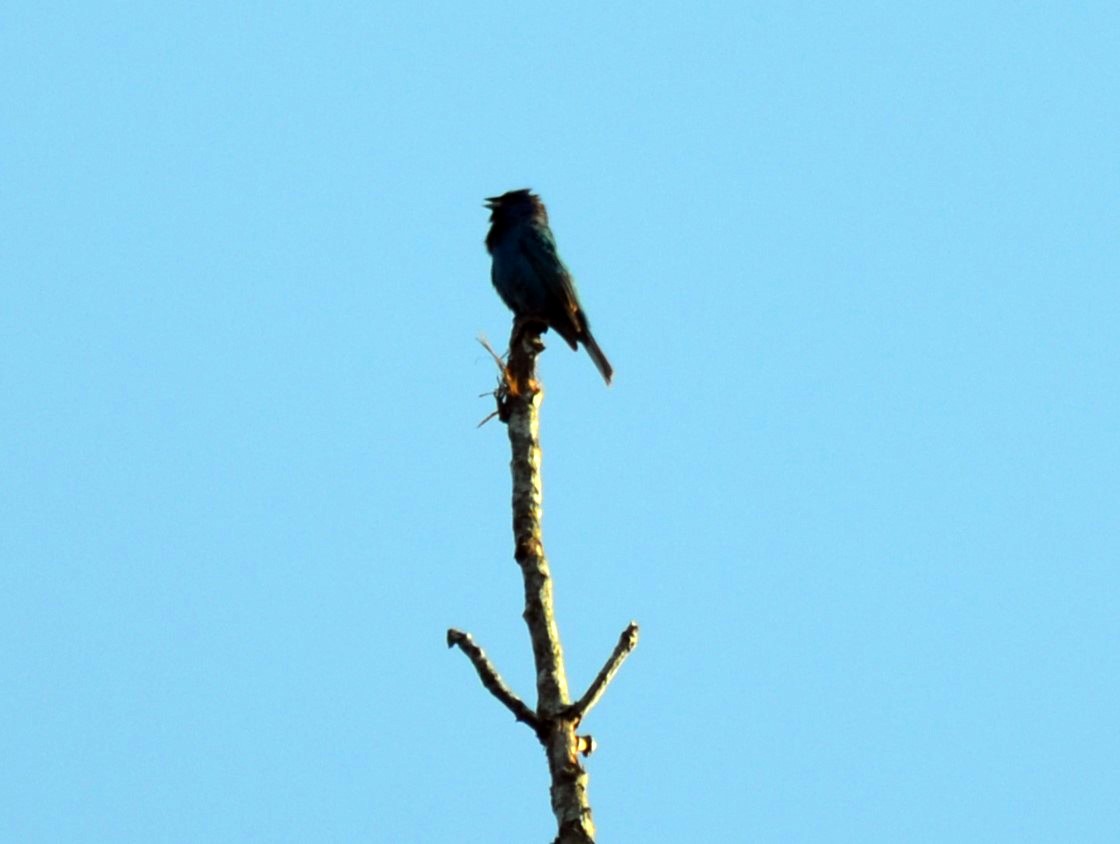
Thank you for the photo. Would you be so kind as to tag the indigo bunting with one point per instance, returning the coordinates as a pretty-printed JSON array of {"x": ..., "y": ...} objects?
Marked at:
[{"x": 530, "y": 277}]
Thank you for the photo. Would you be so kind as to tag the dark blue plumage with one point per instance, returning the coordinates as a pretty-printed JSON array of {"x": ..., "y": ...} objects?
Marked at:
[{"x": 530, "y": 277}]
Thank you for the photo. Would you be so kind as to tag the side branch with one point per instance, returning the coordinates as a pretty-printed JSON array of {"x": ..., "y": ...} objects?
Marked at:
[
  {"x": 493, "y": 681},
  {"x": 626, "y": 643}
]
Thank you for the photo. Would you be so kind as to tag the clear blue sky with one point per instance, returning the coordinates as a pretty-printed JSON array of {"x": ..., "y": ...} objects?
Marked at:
[{"x": 856, "y": 266}]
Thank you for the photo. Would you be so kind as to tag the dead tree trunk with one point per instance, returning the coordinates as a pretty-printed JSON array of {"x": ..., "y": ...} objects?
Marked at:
[{"x": 556, "y": 718}]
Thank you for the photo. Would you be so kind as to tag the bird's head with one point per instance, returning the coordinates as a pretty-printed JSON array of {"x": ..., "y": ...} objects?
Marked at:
[{"x": 516, "y": 205}]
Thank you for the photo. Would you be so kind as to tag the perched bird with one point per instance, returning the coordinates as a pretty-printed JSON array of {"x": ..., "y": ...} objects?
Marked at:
[{"x": 529, "y": 275}]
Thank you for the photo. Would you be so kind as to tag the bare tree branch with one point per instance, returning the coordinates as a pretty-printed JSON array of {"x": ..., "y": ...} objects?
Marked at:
[
  {"x": 626, "y": 643},
  {"x": 570, "y": 803},
  {"x": 519, "y": 398},
  {"x": 492, "y": 680}
]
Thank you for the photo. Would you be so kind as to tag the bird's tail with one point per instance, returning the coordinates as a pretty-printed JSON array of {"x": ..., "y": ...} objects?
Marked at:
[{"x": 597, "y": 356}]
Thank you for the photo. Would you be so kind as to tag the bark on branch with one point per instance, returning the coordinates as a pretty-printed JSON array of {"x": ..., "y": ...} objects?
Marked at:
[
  {"x": 556, "y": 718},
  {"x": 570, "y": 803}
]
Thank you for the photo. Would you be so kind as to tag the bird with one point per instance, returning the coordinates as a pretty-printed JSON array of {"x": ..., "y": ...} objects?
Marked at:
[{"x": 529, "y": 275}]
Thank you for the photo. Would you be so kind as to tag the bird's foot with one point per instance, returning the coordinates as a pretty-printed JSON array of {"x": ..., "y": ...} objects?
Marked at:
[{"x": 528, "y": 330}]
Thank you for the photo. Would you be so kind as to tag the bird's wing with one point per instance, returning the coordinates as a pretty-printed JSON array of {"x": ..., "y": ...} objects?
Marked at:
[{"x": 563, "y": 299}]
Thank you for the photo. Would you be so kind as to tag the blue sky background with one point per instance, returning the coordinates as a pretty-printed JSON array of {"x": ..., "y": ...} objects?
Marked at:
[{"x": 856, "y": 267}]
